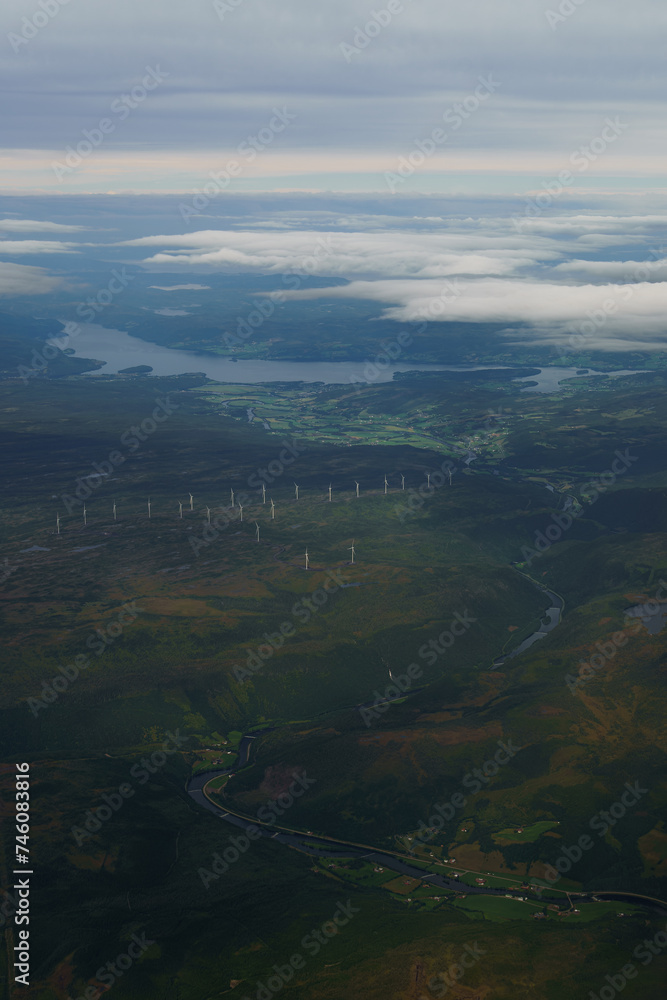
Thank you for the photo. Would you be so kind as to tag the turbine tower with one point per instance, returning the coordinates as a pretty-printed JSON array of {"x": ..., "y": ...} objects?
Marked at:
[
  {"x": 57, "y": 524},
  {"x": 208, "y": 514},
  {"x": 114, "y": 510},
  {"x": 329, "y": 492},
  {"x": 263, "y": 493},
  {"x": 257, "y": 534},
  {"x": 307, "y": 559},
  {"x": 149, "y": 508},
  {"x": 85, "y": 519},
  {"x": 402, "y": 482},
  {"x": 428, "y": 479},
  {"x": 232, "y": 492},
  {"x": 180, "y": 509},
  {"x": 351, "y": 547},
  {"x": 273, "y": 511},
  {"x": 191, "y": 506},
  {"x": 241, "y": 509},
  {"x": 296, "y": 491},
  {"x": 357, "y": 485},
  {"x": 386, "y": 484}
]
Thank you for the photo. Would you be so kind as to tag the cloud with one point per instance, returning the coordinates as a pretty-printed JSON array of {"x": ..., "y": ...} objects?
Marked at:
[
  {"x": 19, "y": 279},
  {"x": 336, "y": 254},
  {"x": 178, "y": 288},
  {"x": 33, "y": 226},
  {"x": 35, "y": 246}
]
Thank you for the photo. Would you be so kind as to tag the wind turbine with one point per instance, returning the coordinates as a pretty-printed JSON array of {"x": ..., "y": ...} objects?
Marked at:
[
  {"x": 232, "y": 492},
  {"x": 257, "y": 526},
  {"x": 263, "y": 493},
  {"x": 191, "y": 498},
  {"x": 357, "y": 485},
  {"x": 386, "y": 484},
  {"x": 273, "y": 511},
  {"x": 57, "y": 524},
  {"x": 241, "y": 509},
  {"x": 114, "y": 510},
  {"x": 149, "y": 509},
  {"x": 85, "y": 519},
  {"x": 402, "y": 482},
  {"x": 208, "y": 514},
  {"x": 428, "y": 479},
  {"x": 180, "y": 509},
  {"x": 352, "y": 549},
  {"x": 296, "y": 491},
  {"x": 329, "y": 492},
  {"x": 307, "y": 559}
]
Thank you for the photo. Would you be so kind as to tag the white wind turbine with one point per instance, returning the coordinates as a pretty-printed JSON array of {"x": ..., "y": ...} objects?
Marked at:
[
  {"x": 85, "y": 518},
  {"x": 357, "y": 485},
  {"x": 386, "y": 484},
  {"x": 273, "y": 511},
  {"x": 232, "y": 492},
  {"x": 296, "y": 491},
  {"x": 428, "y": 479},
  {"x": 208, "y": 514},
  {"x": 180, "y": 509},
  {"x": 114, "y": 510},
  {"x": 307, "y": 559},
  {"x": 402, "y": 482},
  {"x": 241, "y": 509},
  {"x": 257, "y": 533},
  {"x": 351, "y": 547},
  {"x": 149, "y": 509},
  {"x": 191, "y": 502},
  {"x": 329, "y": 492},
  {"x": 263, "y": 493},
  {"x": 57, "y": 524}
]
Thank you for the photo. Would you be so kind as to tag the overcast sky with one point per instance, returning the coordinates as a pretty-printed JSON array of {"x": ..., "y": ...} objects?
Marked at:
[{"x": 203, "y": 77}]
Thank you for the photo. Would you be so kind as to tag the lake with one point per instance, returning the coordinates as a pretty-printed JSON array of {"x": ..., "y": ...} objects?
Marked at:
[{"x": 120, "y": 350}]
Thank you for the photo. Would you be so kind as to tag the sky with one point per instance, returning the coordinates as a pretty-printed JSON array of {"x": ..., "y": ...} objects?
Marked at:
[
  {"x": 494, "y": 161},
  {"x": 276, "y": 95}
]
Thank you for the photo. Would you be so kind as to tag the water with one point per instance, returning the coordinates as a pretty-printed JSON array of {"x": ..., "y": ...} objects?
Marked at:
[{"x": 120, "y": 350}]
